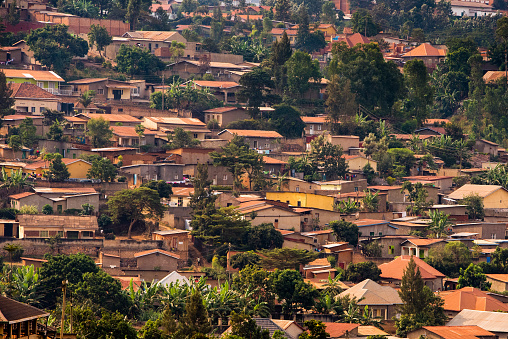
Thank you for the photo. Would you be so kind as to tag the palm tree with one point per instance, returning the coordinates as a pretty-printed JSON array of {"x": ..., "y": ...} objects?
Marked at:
[
  {"x": 370, "y": 201},
  {"x": 140, "y": 131},
  {"x": 86, "y": 98},
  {"x": 439, "y": 223},
  {"x": 333, "y": 285},
  {"x": 282, "y": 181}
]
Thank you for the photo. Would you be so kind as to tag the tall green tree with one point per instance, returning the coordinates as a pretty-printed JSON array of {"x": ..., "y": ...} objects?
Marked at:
[
  {"x": 317, "y": 330},
  {"x": 280, "y": 53},
  {"x": 135, "y": 205},
  {"x": 292, "y": 291},
  {"x": 134, "y": 60},
  {"x": 99, "y": 132},
  {"x": 163, "y": 188},
  {"x": 286, "y": 258},
  {"x": 27, "y": 132},
  {"x": 287, "y": 121},
  {"x": 6, "y": 102},
  {"x": 363, "y": 23},
  {"x": 282, "y": 10},
  {"x": 99, "y": 37},
  {"x": 420, "y": 92},
  {"x": 473, "y": 276},
  {"x": 363, "y": 270},
  {"x": 195, "y": 321},
  {"x": 341, "y": 101},
  {"x": 421, "y": 307},
  {"x": 102, "y": 169},
  {"x": 181, "y": 138},
  {"x": 301, "y": 69},
  {"x": 345, "y": 231},
  {"x": 54, "y": 47},
  {"x": 255, "y": 91},
  {"x": 58, "y": 171},
  {"x": 450, "y": 258},
  {"x": 474, "y": 206},
  {"x": 327, "y": 158},
  {"x": 133, "y": 13}
]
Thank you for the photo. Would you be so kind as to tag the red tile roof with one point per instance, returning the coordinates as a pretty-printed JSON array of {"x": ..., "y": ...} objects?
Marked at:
[
  {"x": 112, "y": 117},
  {"x": 45, "y": 164},
  {"x": 129, "y": 131},
  {"x": 459, "y": 332},
  {"x": 216, "y": 84},
  {"x": 424, "y": 242},
  {"x": 337, "y": 330},
  {"x": 425, "y": 50},
  {"x": 21, "y": 195},
  {"x": 253, "y": 133},
  {"x": 395, "y": 268},
  {"x": 31, "y": 91},
  {"x": 29, "y": 74},
  {"x": 272, "y": 161},
  {"x": 314, "y": 120},
  {"x": 472, "y": 299},
  {"x": 280, "y": 31}
]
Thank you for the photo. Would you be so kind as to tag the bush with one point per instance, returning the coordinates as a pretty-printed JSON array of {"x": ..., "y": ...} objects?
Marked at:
[
  {"x": 332, "y": 260},
  {"x": 47, "y": 209},
  {"x": 121, "y": 179},
  {"x": 104, "y": 221},
  {"x": 72, "y": 211},
  {"x": 8, "y": 213},
  {"x": 28, "y": 209},
  {"x": 109, "y": 236},
  {"x": 221, "y": 188},
  {"x": 87, "y": 209}
]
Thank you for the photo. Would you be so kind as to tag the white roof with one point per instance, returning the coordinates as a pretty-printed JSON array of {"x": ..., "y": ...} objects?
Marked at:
[
  {"x": 370, "y": 292},
  {"x": 490, "y": 321},
  {"x": 174, "y": 277}
]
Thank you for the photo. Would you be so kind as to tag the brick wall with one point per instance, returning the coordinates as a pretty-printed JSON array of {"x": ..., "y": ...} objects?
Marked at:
[{"x": 79, "y": 25}]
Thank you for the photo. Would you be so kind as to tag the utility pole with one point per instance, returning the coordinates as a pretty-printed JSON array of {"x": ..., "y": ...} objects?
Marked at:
[
  {"x": 62, "y": 321},
  {"x": 163, "y": 92}
]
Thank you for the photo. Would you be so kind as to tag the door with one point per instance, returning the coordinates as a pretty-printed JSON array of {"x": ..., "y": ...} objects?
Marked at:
[
  {"x": 7, "y": 230},
  {"x": 117, "y": 94}
]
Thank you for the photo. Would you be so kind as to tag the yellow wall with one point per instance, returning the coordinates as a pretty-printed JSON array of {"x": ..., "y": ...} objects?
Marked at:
[
  {"x": 79, "y": 169},
  {"x": 126, "y": 93},
  {"x": 306, "y": 199},
  {"x": 359, "y": 163},
  {"x": 10, "y": 168},
  {"x": 38, "y": 104},
  {"x": 498, "y": 199}
]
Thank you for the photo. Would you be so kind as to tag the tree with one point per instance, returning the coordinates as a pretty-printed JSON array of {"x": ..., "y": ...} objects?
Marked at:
[
  {"x": 286, "y": 258},
  {"x": 55, "y": 132},
  {"x": 6, "y": 101},
  {"x": 417, "y": 195},
  {"x": 363, "y": 23},
  {"x": 317, "y": 330},
  {"x": 133, "y": 13},
  {"x": 420, "y": 306},
  {"x": 291, "y": 290},
  {"x": 328, "y": 14},
  {"x": 59, "y": 268},
  {"x": 300, "y": 70},
  {"x": 54, "y": 47},
  {"x": 474, "y": 206},
  {"x": 134, "y": 60},
  {"x": 439, "y": 223},
  {"x": 361, "y": 271},
  {"x": 244, "y": 326},
  {"x": 327, "y": 158},
  {"x": 107, "y": 325},
  {"x": 195, "y": 320},
  {"x": 306, "y": 41},
  {"x": 419, "y": 89},
  {"x": 164, "y": 189},
  {"x": 264, "y": 236},
  {"x": 255, "y": 90},
  {"x": 99, "y": 132},
  {"x": 134, "y": 206},
  {"x": 370, "y": 201},
  {"x": 102, "y": 169},
  {"x": 242, "y": 260},
  {"x": 450, "y": 258},
  {"x": 13, "y": 14},
  {"x": 11, "y": 249},
  {"x": 15, "y": 143},
  {"x": 47, "y": 209},
  {"x": 282, "y": 10},
  {"x": 181, "y": 138},
  {"x": 86, "y": 99},
  {"x": 58, "y": 171},
  {"x": 280, "y": 53},
  {"x": 473, "y": 276},
  {"x": 27, "y": 132},
  {"x": 99, "y": 37},
  {"x": 341, "y": 101},
  {"x": 140, "y": 131},
  {"x": 345, "y": 231},
  {"x": 287, "y": 121}
]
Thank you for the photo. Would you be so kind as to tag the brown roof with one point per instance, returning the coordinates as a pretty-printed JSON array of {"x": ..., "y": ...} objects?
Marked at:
[
  {"x": 12, "y": 311},
  {"x": 74, "y": 119},
  {"x": 169, "y": 254},
  {"x": 500, "y": 277},
  {"x": 177, "y": 121},
  {"x": 385, "y": 188},
  {"x": 473, "y": 299},
  {"x": 21, "y": 195},
  {"x": 129, "y": 131},
  {"x": 28, "y": 74},
  {"x": 395, "y": 268},
  {"x": 216, "y": 84},
  {"x": 253, "y": 133},
  {"x": 183, "y": 191},
  {"x": 87, "y": 81},
  {"x": 314, "y": 120},
  {"x": 459, "y": 332},
  {"x": 222, "y": 109},
  {"x": 272, "y": 161},
  {"x": 493, "y": 76},
  {"x": 482, "y": 190},
  {"x": 21, "y": 117},
  {"x": 424, "y": 242},
  {"x": 31, "y": 91},
  {"x": 426, "y": 50},
  {"x": 339, "y": 329},
  {"x": 112, "y": 117},
  {"x": 61, "y": 221},
  {"x": 280, "y": 31},
  {"x": 427, "y": 177},
  {"x": 45, "y": 164},
  {"x": 151, "y": 35}
]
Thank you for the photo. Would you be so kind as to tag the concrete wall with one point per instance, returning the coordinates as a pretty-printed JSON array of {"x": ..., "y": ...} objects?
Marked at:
[{"x": 157, "y": 261}]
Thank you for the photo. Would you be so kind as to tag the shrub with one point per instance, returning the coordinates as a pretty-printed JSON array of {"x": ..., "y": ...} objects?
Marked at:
[
  {"x": 47, "y": 209},
  {"x": 221, "y": 188},
  {"x": 87, "y": 209},
  {"x": 121, "y": 179},
  {"x": 72, "y": 211},
  {"x": 332, "y": 260},
  {"x": 28, "y": 209},
  {"x": 109, "y": 236},
  {"x": 8, "y": 213}
]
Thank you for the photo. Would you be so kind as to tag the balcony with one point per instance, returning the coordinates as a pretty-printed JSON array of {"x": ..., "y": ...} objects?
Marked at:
[{"x": 59, "y": 91}]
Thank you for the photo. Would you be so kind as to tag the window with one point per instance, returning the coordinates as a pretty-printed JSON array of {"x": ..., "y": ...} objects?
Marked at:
[
  {"x": 255, "y": 144},
  {"x": 380, "y": 234},
  {"x": 59, "y": 208},
  {"x": 319, "y": 127},
  {"x": 356, "y": 189},
  {"x": 176, "y": 176},
  {"x": 299, "y": 204},
  {"x": 287, "y": 202},
  {"x": 43, "y": 234},
  {"x": 391, "y": 249},
  {"x": 297, "y": 189},
  {"x": 87, "y": 234},
  {"x": 422, "y": 254},
  {"x": 311, "y": 127},
  {"x": 100, "y": 91},
  {"x": 493, "y": 236},
  {"x": 42, "y": 109},
  {"x": 267, "y": 145},
  {"x": 60, "y": 233},
  {"x": 276, "y": 221},
  {"x": 180, "y": 201},
  {"x": 229, "y": 204},
  {"x": 195, "y": 135},
  {"x": 156, "y": 45},
  {"x": 225, "y": 177},
  {"x": 371, "y": 234},
  {"x": 73, "y": 155},
  {"x": 33, "y": 109},
  {"x": 120, "y": 110},
  {"x": 40, "y": 84}
]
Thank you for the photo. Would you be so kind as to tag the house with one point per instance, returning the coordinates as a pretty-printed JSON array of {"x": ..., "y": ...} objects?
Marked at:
[
  {"x": 358, "y": 197},
  {"x": 315, "y": 125},
  {"x": 75, "y": 125},
  {"x": 393, "y": 193},
  {"x": 19, "y": 320},
  {"x": 472, "y": 9},
  {"x": 167, "y": 125},
  {"x": 307, "y": 200},
  {"x": 47, "y": 80},
  {"x": 152, "y": 40},
  {"x": 11, "y": 55},
  {"x": 160, "y": 171},
  {"x": 273, "y": 212},
  {"x": 390, "y": 244},
  {"x": 277, "y": 34},
  {"x": 344, "y": 141},
  {"x": 174, "y": 278},
  {"x": 181, "y": 196},
  {"x": 289, "y": 328},
  {"x": 420, "y": 247},
  {"x": 126, "y": 136},
  {"x": 487, "y": 147},
  {"x": 274, "y": 166},
  {"x": 187, "y": 68},
  {"x": 66, "y": 226},
  {"x": 499, "y": 282},
  {"x": 59, "y": 203},
  {"x": 470, "y": 298},
  {"x": 176, "y": 241},
  {"x": 493, "y": 196},
  {"x": 322, "y": 236},
  {"x": 113, "y": 119},
  {"x": 430, "y": 55},
  {"x": 493, "y": 76},
  {"x": 343, "y": 186},
  {"x": 341, "y": 330},
  {"x": 444, "y": 182},
  {"x": 374, "y": 228},
  {"x": 298, "y": 240},
  {"x": 351, "y": 40},
  {"x": 224, "y": 91},
  {"x": 106, "y": 89},
  {"x": 266, "y": 141},
  {"x": 358, "y": 162},
  {"x": 342, "y": 251},
  {"x": 327, "y": 29},
  {"x": 436, "y": 122},
  {"x": 456, "y": 212},
  {"x": 494, "y": 322},
  {"x": 157, "y": 259},
  {"x": 226, "y": 115},
  {"x": 14, "y": 120},
  {"x": 393, "y": 271},
  {"x": 78, "y": 168},
  {"x": 291, "y": 184},
  {"x": 381, "y": 300},
  {"x": 451, "y": 332},
  {"x": 30, "y": 98}
]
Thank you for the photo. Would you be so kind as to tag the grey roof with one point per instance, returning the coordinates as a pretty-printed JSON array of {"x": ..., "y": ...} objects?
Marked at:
[
  {"x": 268, "y": 324},
  {"x": 373, "y": 293},
  {"x": 490, "y": 321}
]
